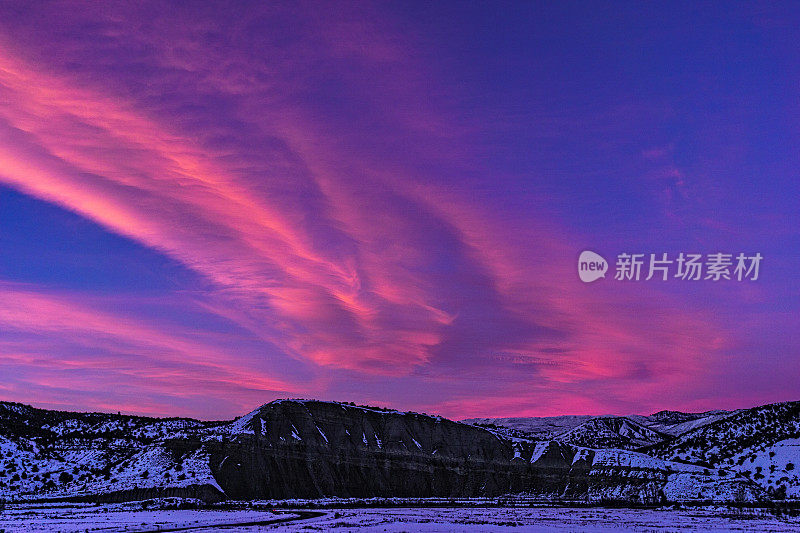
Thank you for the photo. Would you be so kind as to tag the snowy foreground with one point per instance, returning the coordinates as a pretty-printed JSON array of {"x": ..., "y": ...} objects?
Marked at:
[{"x": 133, "y": 517}]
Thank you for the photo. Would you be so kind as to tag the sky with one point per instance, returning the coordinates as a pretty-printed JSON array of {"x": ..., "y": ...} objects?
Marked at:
[{"x": 206, "y": 206}]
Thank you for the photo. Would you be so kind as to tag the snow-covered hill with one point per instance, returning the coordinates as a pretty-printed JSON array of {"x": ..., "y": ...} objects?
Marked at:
[
  {"x": 677, "y": 423},
  {"x": 761, "y": 443},
  {"x": 612, "y": 432},
  {"x": 57, "y": 454},
  {"x": 536, "y": 428}
]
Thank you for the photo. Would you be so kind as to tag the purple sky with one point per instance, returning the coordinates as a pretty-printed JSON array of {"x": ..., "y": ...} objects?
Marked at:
[{"x": 206, "y": 207}]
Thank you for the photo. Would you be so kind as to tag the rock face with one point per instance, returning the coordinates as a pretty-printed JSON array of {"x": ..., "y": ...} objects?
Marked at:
[{"x": 310, "y": 449}]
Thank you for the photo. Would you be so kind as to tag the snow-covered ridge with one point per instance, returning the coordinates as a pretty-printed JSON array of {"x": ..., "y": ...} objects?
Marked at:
[
  {"x": 538, "y": 428},
  {"x": 630, "y": 432},
  {"x": 46, "y": 454}
]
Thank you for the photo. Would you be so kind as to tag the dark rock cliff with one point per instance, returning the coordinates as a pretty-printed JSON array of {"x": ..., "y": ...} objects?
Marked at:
[
  {"x": 312, "y": 449},
  {"x": 308, "y": 449}
]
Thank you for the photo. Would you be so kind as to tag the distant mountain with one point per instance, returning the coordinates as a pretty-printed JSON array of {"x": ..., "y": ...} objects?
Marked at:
[
  {"x": 537, "y": 428},
  {"x": 307, "y": 448},
  {"x": 677, "y": 423},
  {"x": 630, "y": 432},
  {"x": 612, "y": 432}
]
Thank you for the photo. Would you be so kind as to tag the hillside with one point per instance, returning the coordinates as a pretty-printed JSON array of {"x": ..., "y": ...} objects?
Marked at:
[
  {"x": 760, "y": 443},
  {"x": 630, "y": 432},
  {"x": 307, "y": 448},
  {"x": 58, "y": 454},
  {"x": 612, "y": 432},
  {"x": 537, "y": 428}
]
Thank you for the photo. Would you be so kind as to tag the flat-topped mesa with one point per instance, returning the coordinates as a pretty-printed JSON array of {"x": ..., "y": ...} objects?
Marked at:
[{"x": 308, "y": 448}]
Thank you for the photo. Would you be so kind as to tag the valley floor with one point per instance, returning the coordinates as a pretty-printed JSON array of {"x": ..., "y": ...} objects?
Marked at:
[{"x": 133, "y": 518}]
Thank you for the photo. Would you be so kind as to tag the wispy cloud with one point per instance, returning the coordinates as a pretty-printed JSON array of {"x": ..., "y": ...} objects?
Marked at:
[{"x": 268, "y": 163}]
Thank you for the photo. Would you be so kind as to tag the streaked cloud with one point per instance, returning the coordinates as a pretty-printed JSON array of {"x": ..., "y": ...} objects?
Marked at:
[{"x": 309, "y": 176}]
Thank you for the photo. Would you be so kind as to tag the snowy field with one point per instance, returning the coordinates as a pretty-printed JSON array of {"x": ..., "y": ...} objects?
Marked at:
[{"x": 127, "y": 517}]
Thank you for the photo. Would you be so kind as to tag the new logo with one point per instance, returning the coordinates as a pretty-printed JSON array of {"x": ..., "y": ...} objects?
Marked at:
[{"x": 591, "y": 266}]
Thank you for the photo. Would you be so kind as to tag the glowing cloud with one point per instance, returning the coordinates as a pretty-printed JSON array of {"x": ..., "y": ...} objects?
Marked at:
[{"x": 314, "y": 180}]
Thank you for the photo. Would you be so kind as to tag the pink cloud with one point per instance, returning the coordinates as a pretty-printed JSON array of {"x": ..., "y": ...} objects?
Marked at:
[{"x": 317, "y": 244}]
